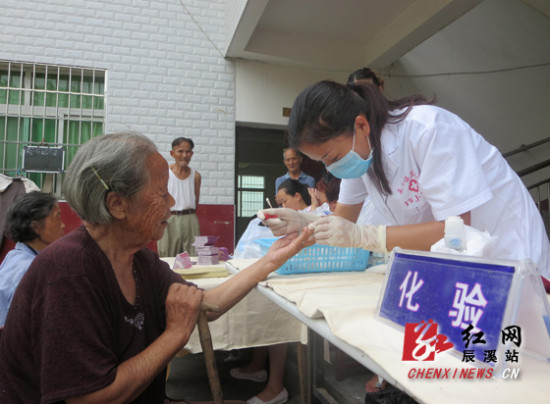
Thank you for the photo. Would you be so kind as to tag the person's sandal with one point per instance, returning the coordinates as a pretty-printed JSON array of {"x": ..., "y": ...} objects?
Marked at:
[{"x": 280, "y": 398}]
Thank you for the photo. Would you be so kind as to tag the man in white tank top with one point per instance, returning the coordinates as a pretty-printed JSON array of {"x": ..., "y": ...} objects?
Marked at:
[{"x": 184, "y": 185}]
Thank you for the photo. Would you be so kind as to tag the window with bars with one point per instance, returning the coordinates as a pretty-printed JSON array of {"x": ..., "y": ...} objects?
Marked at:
[
  {"x": 250, "y": 195},
  {"x": 49, "y": 106}
]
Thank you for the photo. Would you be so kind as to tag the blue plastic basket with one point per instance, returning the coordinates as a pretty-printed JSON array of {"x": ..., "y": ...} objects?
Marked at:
[{"x": 321, "y": 258}]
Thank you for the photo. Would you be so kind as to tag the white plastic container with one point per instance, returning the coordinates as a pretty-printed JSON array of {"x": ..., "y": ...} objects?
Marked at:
[{"x": 455, "y": 233}]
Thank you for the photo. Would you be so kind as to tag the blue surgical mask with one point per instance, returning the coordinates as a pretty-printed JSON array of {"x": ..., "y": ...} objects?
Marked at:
[{"x": 351, "y": 165}]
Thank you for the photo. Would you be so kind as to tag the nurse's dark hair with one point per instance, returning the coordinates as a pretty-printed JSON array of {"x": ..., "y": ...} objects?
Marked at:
[
  {"x": 327, "y": 109},
  {"x": 366, "y": 75},
  {"x": 293, "y": 187},
  {"x": 27, "y": 213}
]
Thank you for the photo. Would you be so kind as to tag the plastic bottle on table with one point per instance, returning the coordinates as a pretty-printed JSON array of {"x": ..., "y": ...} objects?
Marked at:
[{"x": 455, "y": 233}]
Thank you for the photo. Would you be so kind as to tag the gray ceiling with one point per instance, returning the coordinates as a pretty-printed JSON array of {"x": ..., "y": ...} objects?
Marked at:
[
  {"x": 342, "y": 34},
  {"x": 339, "y": 34}
]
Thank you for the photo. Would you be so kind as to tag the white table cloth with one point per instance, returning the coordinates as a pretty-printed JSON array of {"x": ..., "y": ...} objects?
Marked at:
[{"x": 347, "y": 302}]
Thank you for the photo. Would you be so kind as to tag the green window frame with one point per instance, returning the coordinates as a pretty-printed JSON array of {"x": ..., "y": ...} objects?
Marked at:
[
  {"x": 47, "y": 105},
  {"x": 250, "y": 195}
]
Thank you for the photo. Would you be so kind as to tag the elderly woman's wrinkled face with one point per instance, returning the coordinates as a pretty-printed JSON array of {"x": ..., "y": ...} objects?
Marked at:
[{"x": 149, "y": 209}]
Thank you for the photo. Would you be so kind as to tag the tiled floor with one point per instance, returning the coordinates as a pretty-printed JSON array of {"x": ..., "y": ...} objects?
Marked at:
[{"x": 188, "y": 380}]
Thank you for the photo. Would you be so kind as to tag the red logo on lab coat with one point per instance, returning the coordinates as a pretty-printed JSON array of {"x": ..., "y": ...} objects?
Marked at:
[{"x": 413, "y": 186}]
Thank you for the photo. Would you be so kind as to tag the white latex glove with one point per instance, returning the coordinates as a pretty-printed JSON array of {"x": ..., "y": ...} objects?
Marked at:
[
  {"x": 287, "y": 221},
  {"x": 339, "y": 232}
]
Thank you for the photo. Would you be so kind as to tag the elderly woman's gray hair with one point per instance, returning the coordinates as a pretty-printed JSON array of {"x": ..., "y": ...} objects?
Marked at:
[{"x": 114, "y": 162}]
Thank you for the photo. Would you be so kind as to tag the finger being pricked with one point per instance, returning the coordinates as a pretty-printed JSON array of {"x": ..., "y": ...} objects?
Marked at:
[
  {"x": 183, "y": 306},
  {"x": 286, "y": 247},
  {"x": 306, "y": 237}
]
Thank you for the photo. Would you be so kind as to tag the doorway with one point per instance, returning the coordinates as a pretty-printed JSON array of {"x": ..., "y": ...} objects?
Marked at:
[{"x": 259, "y": 161}]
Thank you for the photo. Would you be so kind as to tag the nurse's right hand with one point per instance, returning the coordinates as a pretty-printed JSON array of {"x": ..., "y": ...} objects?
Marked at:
[
  {"x": 338, "y": 232},
  {"x": 283, "y": 221}
]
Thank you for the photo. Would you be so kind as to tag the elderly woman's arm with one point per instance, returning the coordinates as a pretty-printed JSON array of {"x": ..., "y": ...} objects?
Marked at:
[
  {"x": 135, "y": 374},
  {"x": 182, "y": 307},
  {"x": 235, "y": 288}
]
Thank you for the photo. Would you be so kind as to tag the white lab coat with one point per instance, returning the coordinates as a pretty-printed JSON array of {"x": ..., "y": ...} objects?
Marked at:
[{"x": 437, "y": 167}]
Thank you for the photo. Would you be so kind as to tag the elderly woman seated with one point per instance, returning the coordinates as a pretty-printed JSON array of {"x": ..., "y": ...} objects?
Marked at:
[
  {"x": 33, "y": 222},
  {"x": 98, "y": 317}
]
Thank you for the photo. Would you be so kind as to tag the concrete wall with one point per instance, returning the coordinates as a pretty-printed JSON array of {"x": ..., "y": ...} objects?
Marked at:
[
  {"x": 262, "y": 90},
  {"x": 166, "y": 75},
  {"x": 491, "y": 67}
]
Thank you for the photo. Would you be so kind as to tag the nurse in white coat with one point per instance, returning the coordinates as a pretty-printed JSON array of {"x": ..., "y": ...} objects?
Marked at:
[{"x": 419, "y": 164}]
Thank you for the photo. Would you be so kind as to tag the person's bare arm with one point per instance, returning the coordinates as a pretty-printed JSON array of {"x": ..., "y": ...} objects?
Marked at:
[
  {"x": 235, "y": 288},
  {"x": 135, "y": 374},
  {"x": 419, "y": 236},
  {"x": 350, "y": 212},
  {"x": 414, "y": 236},
  {"x": 338, "y": 231}
]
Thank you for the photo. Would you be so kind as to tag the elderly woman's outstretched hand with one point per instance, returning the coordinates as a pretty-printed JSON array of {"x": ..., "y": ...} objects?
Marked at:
[
  {"x": 182, "y": 309},
  {"x": 286, "y": 247}
]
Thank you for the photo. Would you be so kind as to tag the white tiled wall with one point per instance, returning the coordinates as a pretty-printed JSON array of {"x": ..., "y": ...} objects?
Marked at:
[{"x": 166, "y": 75}]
